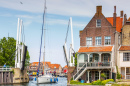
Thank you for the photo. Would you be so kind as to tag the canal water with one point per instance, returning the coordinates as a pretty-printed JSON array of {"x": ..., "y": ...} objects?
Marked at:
[{"x": 62, "y": 81}]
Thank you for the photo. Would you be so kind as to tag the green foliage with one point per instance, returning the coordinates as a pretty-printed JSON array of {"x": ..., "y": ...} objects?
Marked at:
[
  {"x": 7, "y": 48},
  {"x": 79, "y": 83},
  {"x": 118, "y": 74},
  {"x": 103, "y": 75},
  {"x": 76, "y": 59},
  {"x": 106, "y": 81},
  {"x": 98, "y": 82},
  {"x": 13, "y": 71},
  {"x": 74, "y": 82},
  {"x": 7, "y": 52},
  {"x": 71, "y": 78},
  {"x": 27, "y": 63},
  {"x": 71, "y": 59}
]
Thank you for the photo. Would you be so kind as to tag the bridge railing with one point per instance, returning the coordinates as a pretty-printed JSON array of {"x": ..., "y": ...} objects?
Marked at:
[{"x": 5, "y": 68}]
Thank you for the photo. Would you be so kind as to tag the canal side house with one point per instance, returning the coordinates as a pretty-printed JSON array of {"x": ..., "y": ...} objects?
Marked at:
[
  {"x": 56, "y": 68},
  {"x": 124, "y": 51},
  {"x": 34, "y": 66},
  {"x": 99, "y": 42}
]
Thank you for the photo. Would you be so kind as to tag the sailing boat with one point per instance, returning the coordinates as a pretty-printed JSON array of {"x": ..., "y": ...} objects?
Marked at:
[{"x": 45, "y": 78}]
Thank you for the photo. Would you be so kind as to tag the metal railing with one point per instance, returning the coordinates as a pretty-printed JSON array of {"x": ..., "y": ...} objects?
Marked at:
[
  {"x": 127, "y": 76},
  {"x": 91, "y": 64},
  {"x": 78, "y": 72},
  {"x": 5, "y": 68},
  {"x": 97, "y": 64}
]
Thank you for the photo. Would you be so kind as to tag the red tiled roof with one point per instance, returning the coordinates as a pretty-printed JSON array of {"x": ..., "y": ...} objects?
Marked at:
[
  {"x": 66, "y": 66},
  {"x": 96, "y": 49},
  {"x": 128, "y": 19},
  {"x": 36, "y": 63},
  {"x": 124, "y": 48},
  {"x": 55, "y": 65},
  {"x": 118, "y": 22}
]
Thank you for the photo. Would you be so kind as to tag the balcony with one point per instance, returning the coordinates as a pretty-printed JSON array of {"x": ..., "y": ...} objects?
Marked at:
[{"x": 91, "y": 65}]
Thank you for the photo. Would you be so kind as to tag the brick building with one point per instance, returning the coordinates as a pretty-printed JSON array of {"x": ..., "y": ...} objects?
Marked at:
[
  {"x": 99, "y": 42},
  {"x": 34, "y": 66},
  {"x": 124, "y": 51},
  {"x": 56, "y": 67},
  {"x": 65, "y": 69},
  {"x": 50, "y": 68}
]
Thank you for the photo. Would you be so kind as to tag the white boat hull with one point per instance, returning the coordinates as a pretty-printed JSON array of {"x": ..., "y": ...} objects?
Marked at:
[{"x": 46, "y": 79}]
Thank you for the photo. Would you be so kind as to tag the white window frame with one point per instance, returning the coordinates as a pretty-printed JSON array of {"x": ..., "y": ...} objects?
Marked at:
[
  {"x": 89, "y": 40},
  {"x": 96, "y": 42},
  {"x": 97, "y": 24},
  {"x": 96, "y": 73},
  {"x": 126, "y": 58},
  {"x": 104, "y": 40}
]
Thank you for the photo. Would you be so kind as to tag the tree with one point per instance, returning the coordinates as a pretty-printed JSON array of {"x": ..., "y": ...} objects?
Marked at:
[
  {"x": 27, "y": 63},
  {"x": 7, "y": 52}
]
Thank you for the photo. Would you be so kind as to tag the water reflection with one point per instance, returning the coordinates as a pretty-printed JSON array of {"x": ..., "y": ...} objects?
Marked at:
[{"x": 62, "y": 81}]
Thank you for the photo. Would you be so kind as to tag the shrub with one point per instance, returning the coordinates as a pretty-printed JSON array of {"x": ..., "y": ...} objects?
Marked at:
[
  {"x": 98, "y": 82},
  {"x": 79, "y": 83},
  {"x": 74, "y": 82},
  {"x": 106, "y": 81},
  {"x": 103, "y": 75},
  {"x": 118, "y": 75}
]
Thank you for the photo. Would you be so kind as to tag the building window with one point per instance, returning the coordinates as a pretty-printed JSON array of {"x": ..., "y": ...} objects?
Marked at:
[
  {"x": 126, "y": 56},
  {"x": 106, "y": 57},
  {"x": 128, "y": 70},
  {"x": 89, "y": 41},
  {"x": 107, "y": 40},
  {"x": 96, "y": 58},
  {"x": 98, "y": 23},
  {"x": 96, "y": 75},
  {"x": 98, "y": 40},
  {"x": 107, "y": 74}
]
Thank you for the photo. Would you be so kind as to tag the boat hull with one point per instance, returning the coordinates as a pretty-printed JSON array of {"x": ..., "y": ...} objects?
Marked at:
[{"x": 46, "y": 80}]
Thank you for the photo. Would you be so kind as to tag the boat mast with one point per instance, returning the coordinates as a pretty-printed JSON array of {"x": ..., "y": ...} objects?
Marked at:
[{"x": 44, "y": 34}]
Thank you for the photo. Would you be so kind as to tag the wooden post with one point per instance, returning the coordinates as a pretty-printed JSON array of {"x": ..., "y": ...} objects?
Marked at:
[
  {"x": 99, "y": 74},
  {"x": 88, "y": 76},
  {"x": 2, "y": 77},
  {"x": 125, "y": 72}
]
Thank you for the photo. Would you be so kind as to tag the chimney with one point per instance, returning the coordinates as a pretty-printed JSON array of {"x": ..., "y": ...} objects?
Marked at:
[
  {"x": 125, "y": 18},
  {"x": 99, "y": 10},
  {"x": 121, "y": 14},
  {"x": 114, "y": 17}
]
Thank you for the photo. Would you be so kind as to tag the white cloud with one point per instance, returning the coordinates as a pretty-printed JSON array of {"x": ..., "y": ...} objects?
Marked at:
[
  {"x": 6, "y": 15},
  {"x": 50, "y": 21},
  {"x": 25, "y": 16},
  {"x": 68, "y": 7}
]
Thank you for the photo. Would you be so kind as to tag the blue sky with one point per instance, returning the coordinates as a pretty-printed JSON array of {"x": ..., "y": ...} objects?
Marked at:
[{"x": 58, "y": 13}]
